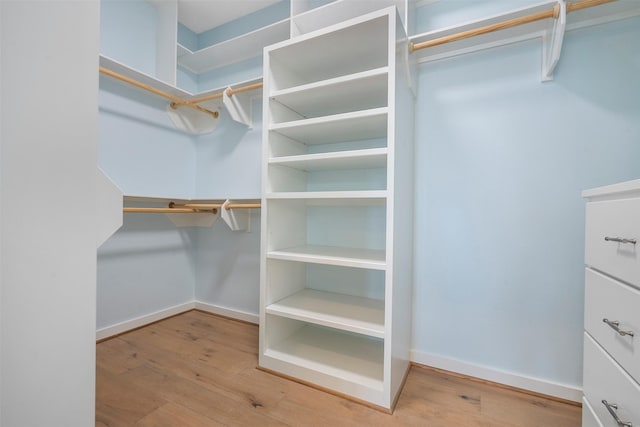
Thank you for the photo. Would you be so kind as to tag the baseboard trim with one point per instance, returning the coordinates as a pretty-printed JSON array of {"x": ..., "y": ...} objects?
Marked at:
[
  {"x": 570, "y": 394},
  {"x": 129, "y": 325},
  {"x": 227, "y": 312}
]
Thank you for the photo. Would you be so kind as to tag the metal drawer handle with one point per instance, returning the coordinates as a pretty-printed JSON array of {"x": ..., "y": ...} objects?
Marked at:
[
  {"x": 612, "y": 407},
  {"x": 615, "y": 325},
  {"x": 620, "y": 240}
]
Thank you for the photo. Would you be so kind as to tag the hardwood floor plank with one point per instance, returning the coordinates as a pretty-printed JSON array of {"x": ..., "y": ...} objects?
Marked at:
[
  {"x": 172, "y": 415},
  {"x": 198, "y": 369}
]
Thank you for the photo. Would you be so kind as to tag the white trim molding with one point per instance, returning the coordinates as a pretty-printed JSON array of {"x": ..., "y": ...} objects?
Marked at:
[
  {"x": 227, "y": 312},
  {"x": 129, "y": 325},
  {"x": 537, "y": 385}
]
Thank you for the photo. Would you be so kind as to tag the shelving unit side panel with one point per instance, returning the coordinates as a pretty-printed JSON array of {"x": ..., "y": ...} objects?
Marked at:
[
  {"x": 401, "y": 164},
  {"x": 285, "y": 279},
  {"x": 282, "y": 178},
  {"x": 280, "y": 146},
  {"x": 286, "y": 224}
]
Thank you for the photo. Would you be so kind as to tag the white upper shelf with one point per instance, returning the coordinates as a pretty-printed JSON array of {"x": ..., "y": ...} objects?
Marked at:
[
  {"x": 368, "y": 124},
  {"x": 608, "y": 12},
  {"x": 367, "y": 89},
  {"x": 233, "y": 50},
  {"x": 156, "y": 83}
]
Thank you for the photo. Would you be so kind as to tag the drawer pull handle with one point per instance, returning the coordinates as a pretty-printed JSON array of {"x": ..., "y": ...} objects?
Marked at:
[
  {"x": 620, "y": 240},
  {"x": 615, "y": 325},
  {"x": 612, "y": 407}
]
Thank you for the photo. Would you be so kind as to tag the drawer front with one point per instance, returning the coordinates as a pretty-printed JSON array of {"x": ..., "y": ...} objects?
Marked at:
[
  {"x": 617, "y": 219},
  {"x": 606, "y": 298},
  {"x": 589, "y": 418},
  {"x": 605, "y": 380}
]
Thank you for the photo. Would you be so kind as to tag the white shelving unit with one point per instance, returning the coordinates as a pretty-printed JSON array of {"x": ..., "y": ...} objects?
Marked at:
[{"x": 337, "y": 208}]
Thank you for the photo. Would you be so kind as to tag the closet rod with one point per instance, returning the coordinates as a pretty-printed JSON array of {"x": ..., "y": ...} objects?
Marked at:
[
  {"x": 230, "y": 92},
  {"x": 242, "y": 206},
  {"x": 169, "y": 210},
  {"x": 159, "y": 92},
  {"x": 196, "y": 205},
  {"x": 228, "y": 206},
  {"x": 538, "y": 16}
]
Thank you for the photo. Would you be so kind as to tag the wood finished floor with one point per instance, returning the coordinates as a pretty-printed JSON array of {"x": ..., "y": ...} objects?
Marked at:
[{"x": 197, "y": 370}]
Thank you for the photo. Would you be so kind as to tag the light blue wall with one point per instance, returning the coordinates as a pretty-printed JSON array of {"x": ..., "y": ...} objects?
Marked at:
[
  {"x": 228, "y": 160},
  {"x": 147, "y": 266},
  {"x": 128, "y": 33},
  {"x": 501, "y": 160},
  {"x": 140, "y": 148},
  {"x": 228, "y": 266}
]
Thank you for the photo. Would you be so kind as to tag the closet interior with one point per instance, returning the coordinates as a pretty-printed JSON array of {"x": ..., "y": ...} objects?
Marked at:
[{"x": 293, "y": 124}]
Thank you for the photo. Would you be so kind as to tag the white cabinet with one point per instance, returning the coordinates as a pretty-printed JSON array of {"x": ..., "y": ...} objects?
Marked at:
[
  {"x": 336, "y": 263},
  {"x": 612, "y": 302}
]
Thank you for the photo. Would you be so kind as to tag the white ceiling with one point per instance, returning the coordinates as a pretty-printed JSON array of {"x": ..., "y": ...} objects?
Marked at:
[{"x": 203, "y": 15}]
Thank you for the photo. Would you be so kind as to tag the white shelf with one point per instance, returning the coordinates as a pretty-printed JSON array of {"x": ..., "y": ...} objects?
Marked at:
[
  {"x": 234, "y": 50},
  {"x": 132, "y": 73},
  {"x": 332, "y": 255},
  {"x": 345, "y": 312},
  {"x": 359, "y": 91},
  {"x": 362, "y": 198},
  {"x": 346, "y": 356},
  {"x": 346, "y": 50},
  {"x": 335, "y": 12},
  {"x": 368, "y": 124},
  {"x": 335, "y": 160}
]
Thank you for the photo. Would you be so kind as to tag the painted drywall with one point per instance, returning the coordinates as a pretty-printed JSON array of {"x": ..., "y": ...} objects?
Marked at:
[
  {"x": 140, "y": 148},
  {"x": 147, "y": 266},
  {"x": 49, "y": 149},
  {"x": 228, "y": 267},
  {"x": 228, "y": 159},
  {"x": 128, "y": 33},
  {"x": 501, "y": 160}
]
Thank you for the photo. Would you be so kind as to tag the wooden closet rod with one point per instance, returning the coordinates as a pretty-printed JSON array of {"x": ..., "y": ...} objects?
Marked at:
[
  {"x": 159, "y": 92},
  {"x": 230, "y": 92},
  {"x": 211, "y": 208},
  {"x": 169, "y": 210},
  {"x": 538, "y": 16},
  {"x": 243, "y": 206},
  {"x": 228, "y": 206}
]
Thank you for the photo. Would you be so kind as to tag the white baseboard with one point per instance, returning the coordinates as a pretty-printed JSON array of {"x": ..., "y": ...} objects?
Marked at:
[
  {"x": 227, "y": 312},
  {"x": 128, "y": 325},
  {"x": 537, "y": 385}
]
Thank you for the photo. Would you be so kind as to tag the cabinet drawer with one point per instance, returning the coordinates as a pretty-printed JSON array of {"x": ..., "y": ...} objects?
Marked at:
[
  {"x": 606, "y": 298},
  {"x": 604, "y": 380},
  {"x": 616, "y": 219},
  {"x": 589, "y": 418}
]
